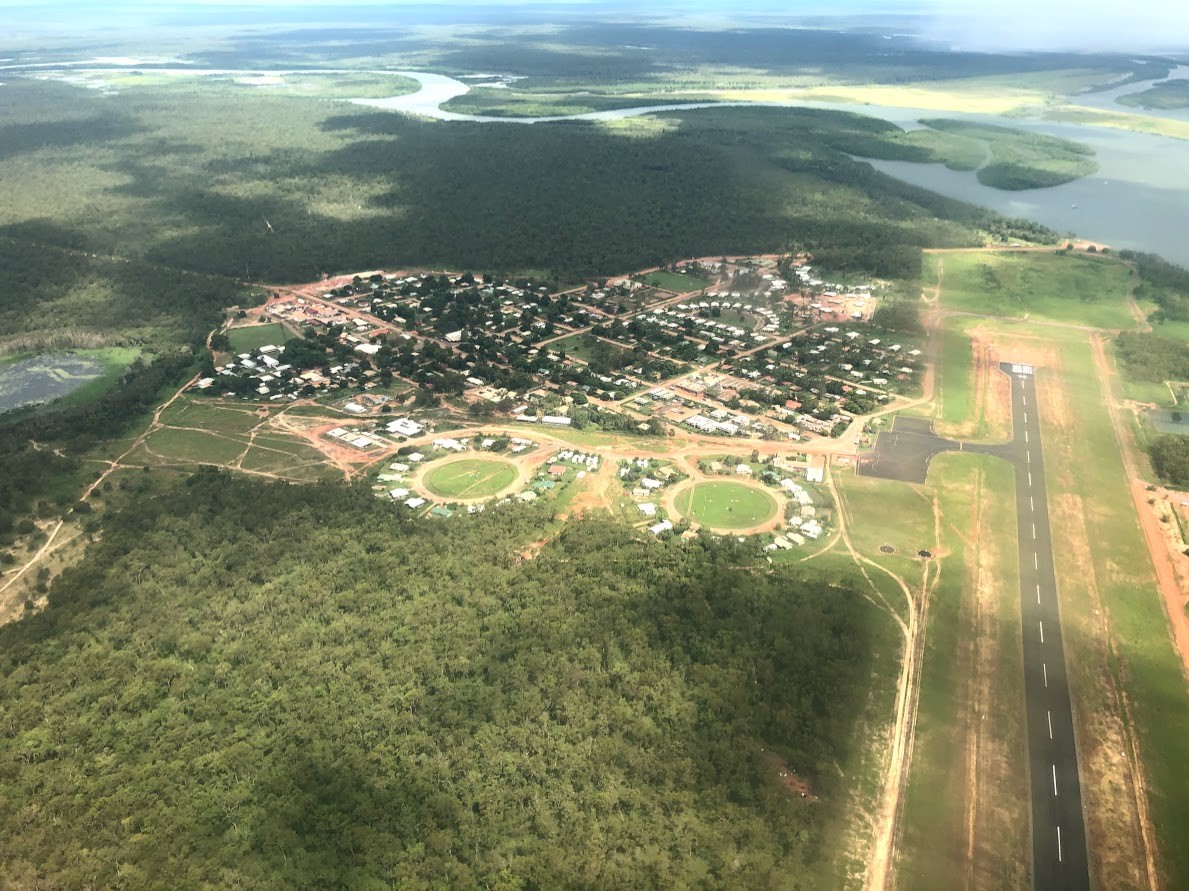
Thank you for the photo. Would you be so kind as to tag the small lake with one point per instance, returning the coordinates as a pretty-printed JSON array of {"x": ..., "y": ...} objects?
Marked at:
[
  {"x": 45, "y": 378},
  {"x": 1170, "y": 421}
]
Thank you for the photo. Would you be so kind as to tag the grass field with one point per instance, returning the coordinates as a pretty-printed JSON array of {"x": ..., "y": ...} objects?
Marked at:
[
  {"x": 470, "y": 478},
  {"x": 193, "y": 447},
  {"x": 213, "y": 417},
  {"x": 727, "y": 505},
  {"x": 255, "y": 336},
  {"x": 676, "y": 281},
  {"x": 1140, "y": 123},
  {"x": 1072, "y": 288},
  {"x": 955, "y": 376},
  {"x": 587, "y": 347},
  {"x": 972, "y": 668}
]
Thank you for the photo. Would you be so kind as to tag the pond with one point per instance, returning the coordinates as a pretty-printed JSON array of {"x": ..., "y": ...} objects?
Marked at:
[
  {"x": 1171, "y": 421},
  {"x": 45, "y": 378}
]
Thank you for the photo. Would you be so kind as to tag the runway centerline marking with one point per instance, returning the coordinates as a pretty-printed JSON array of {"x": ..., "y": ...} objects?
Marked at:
[
  {"x": 1059, "y": 858},
  {"x": 1038, "y": 593},
  {"x": 1042, "y": 631},
  {"x": 1045, "y": 668},
  {"x": 1035, "y": 562},
  {"x": 1050, "y": 714},
  {"x": 1054, "y": 780}
]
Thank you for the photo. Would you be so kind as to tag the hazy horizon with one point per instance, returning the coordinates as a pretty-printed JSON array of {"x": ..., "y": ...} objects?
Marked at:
[{"x": 1008, "y": 26}]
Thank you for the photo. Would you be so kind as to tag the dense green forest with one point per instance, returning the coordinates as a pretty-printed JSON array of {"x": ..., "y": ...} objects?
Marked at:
[
  {"x": 261, "y": 685},
  {"x": 282, "y": 188},
  {"x": 1169, "y": 453},
  {"x": 1150, "y": 357},
  {"x": 52, "y": 294},
  {"x": 1162, "y": 283}
]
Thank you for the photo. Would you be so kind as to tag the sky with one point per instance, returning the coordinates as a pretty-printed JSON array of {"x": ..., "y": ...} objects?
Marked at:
[{"x": 993, "y": 25}]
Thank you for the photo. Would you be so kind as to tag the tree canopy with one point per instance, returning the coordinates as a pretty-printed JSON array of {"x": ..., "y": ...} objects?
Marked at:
[{"x": 262, "y": 685}]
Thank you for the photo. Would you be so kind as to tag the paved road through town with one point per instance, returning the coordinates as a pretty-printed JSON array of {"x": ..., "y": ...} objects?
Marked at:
[{"x": 1059, "y": 856}]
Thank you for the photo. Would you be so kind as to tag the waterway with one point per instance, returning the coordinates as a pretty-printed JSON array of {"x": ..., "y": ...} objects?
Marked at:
[{"x": 1107, "y": 100}]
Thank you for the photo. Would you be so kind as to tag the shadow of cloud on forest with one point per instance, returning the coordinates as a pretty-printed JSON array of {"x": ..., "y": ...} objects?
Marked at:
[
  {"x": 569, "y": 199},
  {"x": 19, "y": 139},
  {"x": 325, "y": 816}
]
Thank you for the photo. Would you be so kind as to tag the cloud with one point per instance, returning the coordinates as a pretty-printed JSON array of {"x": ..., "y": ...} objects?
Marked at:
[{"x": 1093, "y": 25}]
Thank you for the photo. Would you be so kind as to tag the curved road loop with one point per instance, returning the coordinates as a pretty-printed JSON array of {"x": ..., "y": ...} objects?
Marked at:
[{"x": 1060, "y": 860}]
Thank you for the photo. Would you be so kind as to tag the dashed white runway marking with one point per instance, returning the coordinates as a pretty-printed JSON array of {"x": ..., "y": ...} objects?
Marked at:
[
  {"x": 1035, "y": 562},
  {"x": 1034, "y": 532},
  {"x": 1029, "y": 479},
  {"x": 1042, "y": 631},
  {"x": 1025, "y": 436},
  {"x": 1038, "y": 593},
  {"x": 1059, "y": 859},
  {"x": 1031, "y": 503},
  {"x": 1054, "y": 780},
  {"x": 1044, "y": 666},
  {"x": 1050, "y": 714}
]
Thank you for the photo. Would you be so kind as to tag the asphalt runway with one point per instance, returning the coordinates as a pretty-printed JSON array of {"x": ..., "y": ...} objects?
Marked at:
[{"x": 1059, "y": 857}]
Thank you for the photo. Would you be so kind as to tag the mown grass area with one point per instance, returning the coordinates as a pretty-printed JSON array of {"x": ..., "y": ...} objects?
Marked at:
[
  {"x": 933, "y": 852},
  {"x": 252, "y": 337},
  {"x": 726, "y": 505},
  {"x": 887, "y": 513},
  {"x": 682, "y": 283},
  {"x": 289, "y": 458},
  {"x": 213, "y": 417},
  {"x": 470, "y": 478},
  {"x": 588, "y": 347},
  {"x": 1066, "y": 287},
  {"x": 193, "y": 447},
  {"x": 955, "y": 376}
]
